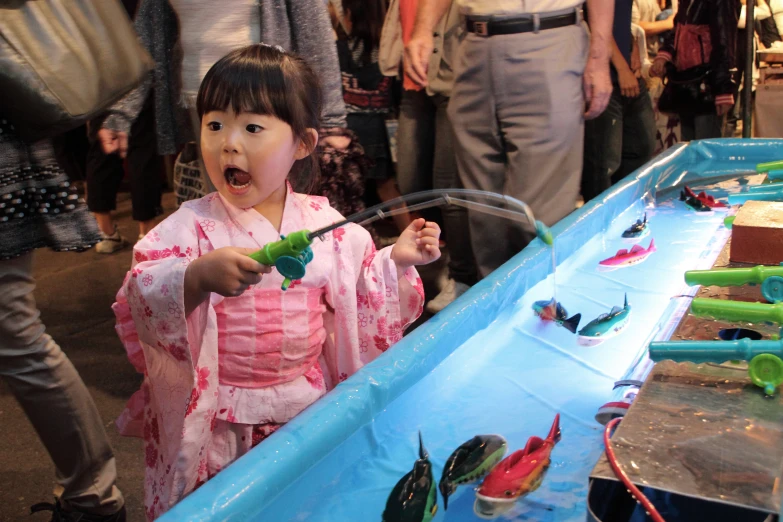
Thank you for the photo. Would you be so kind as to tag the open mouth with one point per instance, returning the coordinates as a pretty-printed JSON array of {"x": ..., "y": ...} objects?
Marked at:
[
  {"x": 236, "y": 178},
  {"x": 488, "y": 508}
]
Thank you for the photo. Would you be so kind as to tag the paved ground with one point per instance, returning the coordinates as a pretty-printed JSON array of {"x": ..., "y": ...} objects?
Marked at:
[{"x": 75, "y": 293}]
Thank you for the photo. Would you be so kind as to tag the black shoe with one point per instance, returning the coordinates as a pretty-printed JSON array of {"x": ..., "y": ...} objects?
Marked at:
[{"x": 61, "y": 515}]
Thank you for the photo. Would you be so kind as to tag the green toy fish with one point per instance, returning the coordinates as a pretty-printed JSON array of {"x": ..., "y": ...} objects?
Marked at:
[
  {"x": 470, "y": 463},
  {"x": 415, "y": 497}
]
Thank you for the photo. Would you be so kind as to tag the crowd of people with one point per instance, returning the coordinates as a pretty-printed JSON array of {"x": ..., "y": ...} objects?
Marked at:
[{"x": 286, "y": 115}]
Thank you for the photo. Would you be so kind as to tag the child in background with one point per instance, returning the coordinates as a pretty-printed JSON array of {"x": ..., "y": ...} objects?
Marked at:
[{"x": 229, "y": 357}]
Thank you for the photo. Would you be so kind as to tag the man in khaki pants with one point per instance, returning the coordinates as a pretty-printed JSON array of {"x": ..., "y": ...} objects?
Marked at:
[{"x": 524, "y": 71}]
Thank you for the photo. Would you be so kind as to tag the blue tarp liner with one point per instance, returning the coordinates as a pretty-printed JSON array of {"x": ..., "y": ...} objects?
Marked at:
[{"x": 486, "y": 364}]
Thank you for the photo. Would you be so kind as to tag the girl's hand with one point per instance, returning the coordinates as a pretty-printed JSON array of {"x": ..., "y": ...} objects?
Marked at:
[
  {"x": 417, "y": 245},
  {"x": 226, "y": 271}
]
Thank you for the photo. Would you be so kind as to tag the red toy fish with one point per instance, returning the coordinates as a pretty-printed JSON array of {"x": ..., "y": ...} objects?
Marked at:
[
  {"x": 706, "y": 200},
  {"x": 517, "y": 475},
  {"x": 624, "y": 257}
]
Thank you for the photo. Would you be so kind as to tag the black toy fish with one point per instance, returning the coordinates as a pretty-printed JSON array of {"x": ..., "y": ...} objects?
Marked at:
[
  {"x": 415, "y": 497},
  {"x": 638, "y": 230},
  {"x": 470, "y": 463}
]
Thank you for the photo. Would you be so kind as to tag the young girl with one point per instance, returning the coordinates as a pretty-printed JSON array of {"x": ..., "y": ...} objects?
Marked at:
[{"x": 229, "y": 357}]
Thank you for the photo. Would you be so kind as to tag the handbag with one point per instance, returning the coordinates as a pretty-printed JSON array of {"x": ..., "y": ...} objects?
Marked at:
[
  {"x": 687, "y": 91},
  {"x": 64, "y": 62}
]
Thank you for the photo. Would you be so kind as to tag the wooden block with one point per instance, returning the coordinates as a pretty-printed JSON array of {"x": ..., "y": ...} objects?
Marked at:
[{"x": 757, "y": 233}]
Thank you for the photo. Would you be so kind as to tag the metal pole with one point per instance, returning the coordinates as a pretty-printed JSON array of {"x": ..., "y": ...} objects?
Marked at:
[{"x": 748, "y": 76}]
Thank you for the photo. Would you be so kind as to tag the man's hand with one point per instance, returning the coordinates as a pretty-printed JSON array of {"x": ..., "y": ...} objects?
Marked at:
[
  {"x": 113, "y": 141},
  {"x": 417, "y": 56},
  {"x": 597, "y": 86}
]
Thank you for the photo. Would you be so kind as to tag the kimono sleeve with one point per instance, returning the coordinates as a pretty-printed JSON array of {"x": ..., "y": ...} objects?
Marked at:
[
  {"x": 154, "y": 291},
  {"x": 175, "y": 409},
  {"x": 372, "y": 307}
]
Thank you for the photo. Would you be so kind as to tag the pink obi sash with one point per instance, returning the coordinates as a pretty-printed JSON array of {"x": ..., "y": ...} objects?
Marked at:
[{"x": 267, "y": 337}]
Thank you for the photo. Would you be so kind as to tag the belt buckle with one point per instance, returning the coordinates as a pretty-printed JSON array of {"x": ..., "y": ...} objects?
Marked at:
[{"x": 481, "y": 28}]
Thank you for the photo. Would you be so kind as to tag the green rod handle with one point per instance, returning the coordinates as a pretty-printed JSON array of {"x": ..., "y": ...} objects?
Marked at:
[{"x": 738, "y": 310}]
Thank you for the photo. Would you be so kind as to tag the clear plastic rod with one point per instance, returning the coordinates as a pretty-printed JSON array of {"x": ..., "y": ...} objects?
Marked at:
[{"x": 419, "y": 200}]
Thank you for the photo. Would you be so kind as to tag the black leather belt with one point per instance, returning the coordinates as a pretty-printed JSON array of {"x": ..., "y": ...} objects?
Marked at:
[{"x": 528, "y": 24}]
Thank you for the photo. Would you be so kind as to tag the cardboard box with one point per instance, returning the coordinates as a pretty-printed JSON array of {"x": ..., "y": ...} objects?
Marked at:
[{"x": 757, "y": 234}]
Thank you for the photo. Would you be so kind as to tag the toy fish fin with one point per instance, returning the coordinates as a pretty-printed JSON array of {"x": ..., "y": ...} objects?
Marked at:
[
  {"x": 625, "y": 304},
  {"x": 651, "y": 248},
  {"x": 683, "y": 196},
  {"x": 422, "y": 452},
  {"x": 615, "y": 309},
  {"x": 554, "y": 431},
  {"x": 533, "y": 443},
  {"x": 645, "y": 218},
  {"x": 636, "y": 248},
  {"x": 621, "y": 252},
  {"x": 572, "y": 323}
]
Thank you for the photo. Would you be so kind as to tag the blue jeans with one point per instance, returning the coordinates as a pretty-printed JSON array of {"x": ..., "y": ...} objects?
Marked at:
[
  {"x": 618, "y": 142},
  {"x": 426, "y": 160}
]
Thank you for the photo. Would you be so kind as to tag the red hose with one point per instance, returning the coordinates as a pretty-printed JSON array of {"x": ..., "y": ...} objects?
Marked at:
[{"x": 632, "y": 489}]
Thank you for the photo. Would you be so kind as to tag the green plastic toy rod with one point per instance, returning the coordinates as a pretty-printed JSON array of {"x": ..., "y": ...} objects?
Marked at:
[
  {"x": 732, "y": 276},
  {"x": 770, "y": 193},
  {"x": 775, "y": 174},
  {"x": 293, "y": 245},
  {"x": 738, "y": 311},
  {"x": 728, "y": 221},
  {"x": 712, "y": 351},
  {"x": 766, "y": 167}
]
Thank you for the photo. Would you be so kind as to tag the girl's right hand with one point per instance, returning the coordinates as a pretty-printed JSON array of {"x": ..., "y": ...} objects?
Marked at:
[{"x": 227, "y": 271}]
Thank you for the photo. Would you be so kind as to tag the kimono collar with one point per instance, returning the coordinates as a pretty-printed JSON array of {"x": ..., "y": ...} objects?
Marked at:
[{"x": 248, "y": 223}]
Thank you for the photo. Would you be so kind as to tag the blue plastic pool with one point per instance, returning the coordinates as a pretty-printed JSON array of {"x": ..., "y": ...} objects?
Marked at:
[{"x": 488, "y": 365}]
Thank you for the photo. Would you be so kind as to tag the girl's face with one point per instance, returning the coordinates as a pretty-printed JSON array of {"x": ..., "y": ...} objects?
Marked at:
[{"x": 248, "y": 156}]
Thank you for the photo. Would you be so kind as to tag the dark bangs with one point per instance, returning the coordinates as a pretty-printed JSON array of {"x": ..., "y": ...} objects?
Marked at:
[{"x": 265, "y": 80}]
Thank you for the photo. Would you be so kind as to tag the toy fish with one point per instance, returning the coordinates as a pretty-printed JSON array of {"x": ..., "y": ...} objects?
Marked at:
[
  {"x": 553, "y": 311},
  {"x": 517, "y": 475},
  {"x": 638, "y": 230},
  {"x": 471, "y": 462},
  {"x": 703, "y": 197},
  {"x": 605, "y": 325},
  {"x": 694, "y": 203},
  {"x": 630, "y": 257},
  {"x": 415, "y": 497}
]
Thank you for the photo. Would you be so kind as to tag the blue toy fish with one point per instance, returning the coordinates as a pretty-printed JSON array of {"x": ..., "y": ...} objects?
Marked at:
[{"x": 606, "y": 325}]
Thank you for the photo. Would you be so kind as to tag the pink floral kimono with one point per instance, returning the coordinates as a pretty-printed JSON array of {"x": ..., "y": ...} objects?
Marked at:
[{"x": 237, "y": 368}]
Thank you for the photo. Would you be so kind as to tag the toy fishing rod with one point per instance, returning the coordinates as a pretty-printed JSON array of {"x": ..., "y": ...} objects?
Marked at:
[{"x": 291, "y": 253}]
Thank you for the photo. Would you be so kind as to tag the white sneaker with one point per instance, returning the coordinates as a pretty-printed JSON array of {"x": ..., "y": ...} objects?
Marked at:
[
  {"x": 451, "y": 291},
  {"x": 110, "y": 244}
]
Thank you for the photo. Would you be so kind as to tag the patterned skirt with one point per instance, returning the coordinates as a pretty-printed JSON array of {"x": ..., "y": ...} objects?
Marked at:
[{"x": 38, "y": 205}]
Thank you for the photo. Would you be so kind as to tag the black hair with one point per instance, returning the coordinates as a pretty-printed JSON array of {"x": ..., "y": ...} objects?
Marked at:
[
  {"x": 262, "y": 79},
  {"x": 367, "y": 18}
]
